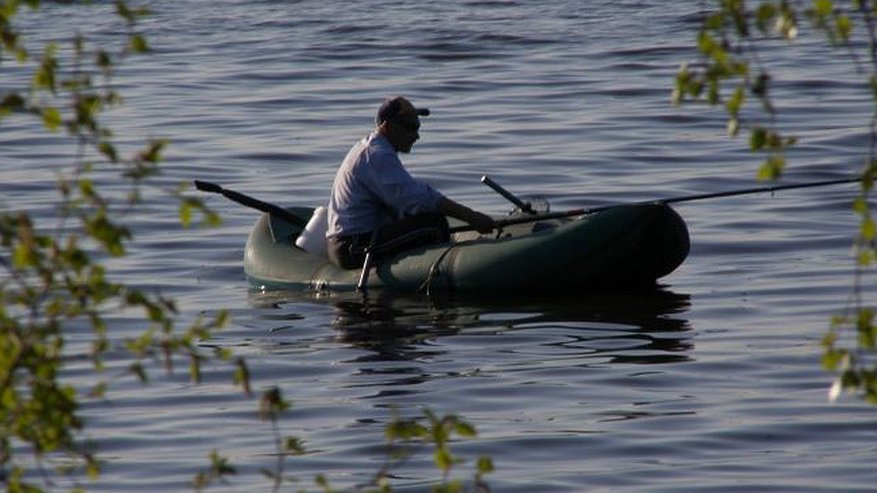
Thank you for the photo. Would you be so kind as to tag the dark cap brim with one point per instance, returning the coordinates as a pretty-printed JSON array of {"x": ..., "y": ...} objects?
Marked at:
[{"x": 391, "y": 108}]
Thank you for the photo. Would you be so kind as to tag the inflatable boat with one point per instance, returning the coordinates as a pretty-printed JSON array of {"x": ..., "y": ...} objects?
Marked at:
[{"x": 621, "y": 246}]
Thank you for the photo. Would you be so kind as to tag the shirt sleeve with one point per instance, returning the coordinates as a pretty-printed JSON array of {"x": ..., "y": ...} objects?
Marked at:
[{"x": 392, "y": 183}]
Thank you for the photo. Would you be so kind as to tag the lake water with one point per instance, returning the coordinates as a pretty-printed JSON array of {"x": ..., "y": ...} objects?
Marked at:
[{"x": 710, "y": 384}]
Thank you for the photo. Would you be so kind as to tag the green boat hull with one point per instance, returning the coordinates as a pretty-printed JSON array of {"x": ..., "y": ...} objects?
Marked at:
[{"x": 623, "y": 246}]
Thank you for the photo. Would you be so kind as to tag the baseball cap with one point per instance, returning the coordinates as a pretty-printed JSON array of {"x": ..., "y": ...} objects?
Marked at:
[{"x": 393, "y": 107}]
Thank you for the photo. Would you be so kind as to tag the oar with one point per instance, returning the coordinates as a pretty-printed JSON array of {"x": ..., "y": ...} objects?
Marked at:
[
  {"x": 206, "y": 186},
  {"x": 686, "y": 198}
]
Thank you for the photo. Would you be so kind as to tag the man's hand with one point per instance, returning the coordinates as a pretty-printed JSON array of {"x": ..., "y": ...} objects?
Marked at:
[{"x": 481, "y": 222}]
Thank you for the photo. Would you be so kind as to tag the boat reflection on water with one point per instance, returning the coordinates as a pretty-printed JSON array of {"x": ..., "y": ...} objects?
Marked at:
[{"x": 641, "y": 327}]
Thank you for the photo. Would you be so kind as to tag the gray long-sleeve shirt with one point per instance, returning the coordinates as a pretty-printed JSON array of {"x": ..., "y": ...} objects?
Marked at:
[{"x": 372, "y": 189}]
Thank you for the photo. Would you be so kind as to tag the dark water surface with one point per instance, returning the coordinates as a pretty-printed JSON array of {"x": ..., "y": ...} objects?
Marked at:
[{"x": 709, "y": 384}]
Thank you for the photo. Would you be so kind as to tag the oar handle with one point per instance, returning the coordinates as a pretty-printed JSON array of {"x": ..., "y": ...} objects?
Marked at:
[
  {"x": 206, "y": 186},
  {"x": 524, "y": 206}
]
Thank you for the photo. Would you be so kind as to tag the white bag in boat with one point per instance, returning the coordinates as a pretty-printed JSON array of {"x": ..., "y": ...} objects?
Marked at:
[{"x": 313, "y": 238}]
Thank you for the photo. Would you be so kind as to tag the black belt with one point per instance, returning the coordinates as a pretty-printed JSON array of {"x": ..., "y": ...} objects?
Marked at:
[{"x": 354, "y": 238}]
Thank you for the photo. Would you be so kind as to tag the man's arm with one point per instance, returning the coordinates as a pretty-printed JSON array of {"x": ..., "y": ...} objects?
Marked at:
[{"x": 481, "y": 222}]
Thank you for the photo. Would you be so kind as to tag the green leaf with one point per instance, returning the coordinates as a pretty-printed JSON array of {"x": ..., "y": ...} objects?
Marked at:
[
  {"x": 860, "y": 205},
  {"x": 272, "y": 404},
  {"x": 707, "y": 44},
  {"x": 865, "y": 257},
  {"x": 443, "y": 459},
  {"x": 831, "y": 359},
  {"x": 109, "y": 151},
  {"x": 735, "y": 102},
  {"x": 152, "y": 153},
  {"x": 739, "y": 14},
  {"x": 772, "y": 168},
  {"x": 110, "y": 235},
  {"x": 761, "y": 85},
  {"x": 774, "y": 141},
  {"x": 124, "y": 11},
  {"x": 683, "y": 82},
  {"x": 465, "y": 430},
  {"x": 195, "y": 369},
  {"x": 11, "y": 103},
  {"x": 757, "y": 139},
  {"x": 44, "y": 75},
  {"x": 24, "y": 257},
  {"x": 138, "y": 44},
  {"x": 51, "y": 118},
  {"x": 713, "y": 95},
  {"x": 99, "y": 391},
  {"x": 86, "y": 188},
  {"x": 140, "y": 372},
  {"x": 242, "y": 375},
  {"x": 220, "y": 464},
  {"x": 844, "y": 27},
  {"x": 823, "y": 8},
  {"x": 764, "y": 16},
  {"x": 186, "y": 213},
  {"x": 867, "y": 230},
  {"x": 21, "y": 54},
  {"x": 484, "y": 465},
  {"x": 222, "y": 318},
  {"x": 92, "y": 467},
  {"x": 294, "y": 446},
  {"x": 103, "y": 60}
]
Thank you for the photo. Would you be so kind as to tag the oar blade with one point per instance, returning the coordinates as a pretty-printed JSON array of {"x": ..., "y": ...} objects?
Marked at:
[{"x": 206, "y": 186}]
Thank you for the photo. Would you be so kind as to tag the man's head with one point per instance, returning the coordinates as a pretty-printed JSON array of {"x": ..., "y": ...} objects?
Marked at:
[{"x": 398, "y": 120}]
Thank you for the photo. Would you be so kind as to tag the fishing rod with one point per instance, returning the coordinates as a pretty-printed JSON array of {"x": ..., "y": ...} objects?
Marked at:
[
  {"x": 672, "y": 200},
  {"x": 773, "y": 188}
]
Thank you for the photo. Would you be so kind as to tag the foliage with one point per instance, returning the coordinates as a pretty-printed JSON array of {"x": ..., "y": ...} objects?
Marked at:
[
  {"x": 54, "y": 275},
  {"x": 401, "y": 434},
  {"x": 731, "y": 72},
  {"x": 438, "y": 431},
  {"x": 55, "y": 279}
]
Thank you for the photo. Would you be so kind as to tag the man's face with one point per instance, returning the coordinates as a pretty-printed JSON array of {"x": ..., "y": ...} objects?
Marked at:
[{"x": 403, "y": 131}]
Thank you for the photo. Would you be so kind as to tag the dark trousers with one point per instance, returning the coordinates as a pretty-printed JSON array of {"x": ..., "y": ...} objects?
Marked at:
[{"x": 423, "y": 229}]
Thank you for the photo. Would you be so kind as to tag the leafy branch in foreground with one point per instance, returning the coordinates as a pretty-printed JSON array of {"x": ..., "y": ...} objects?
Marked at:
[
  {"x": 55, "y": 282},
  {"x": 402, "y": 436},
  {"x": 733, "y": 70},
  {"x": 53, "y": 267},
  {"x": 438, "y": 432}
]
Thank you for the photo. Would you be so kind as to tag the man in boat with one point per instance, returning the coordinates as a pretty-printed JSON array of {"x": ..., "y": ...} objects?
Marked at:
[{"x": 375, "y": 203}]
